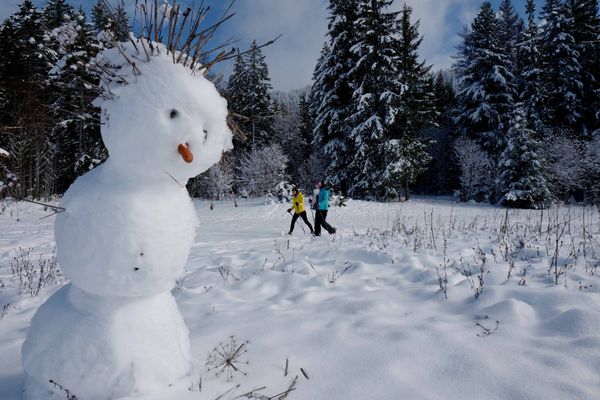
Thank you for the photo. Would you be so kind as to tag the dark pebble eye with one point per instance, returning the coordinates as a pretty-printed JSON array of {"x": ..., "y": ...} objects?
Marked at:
[
  {"x": 205, "y": 134},
  {"x": 173, "y": 113}
]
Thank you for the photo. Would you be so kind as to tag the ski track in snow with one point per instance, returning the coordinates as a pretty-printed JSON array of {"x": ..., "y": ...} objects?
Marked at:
[{"x": 380, "y": 330}]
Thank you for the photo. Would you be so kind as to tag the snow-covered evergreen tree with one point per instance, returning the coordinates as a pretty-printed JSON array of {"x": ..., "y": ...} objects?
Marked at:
[
  {"x": 586, "y": 33},
  {"x": 307, "y": 123},
  {"x": 260, "y": 109},
  {"x": 249, "y": 100},
  {"x": 56, "y": 13},
  {"x": 76, "y": 132},
  {"x": 487, "y": 88},
  {"x": 100, "y": 15},
  {"x": 332, "y": 100},
  {"x": 530, "y": 88},
  {"x": 377, "y": 94},
  {"x": 404, "y": 160},
  {"x": 522, "y": 182},
  {"x": 119, "y": 22},
  {"x": 416, "y": 102},
  {"x": 561, "y": 67},
  {"x": 26, "y": 59},
  {"x": 236, "y": 89},
  {"x": 444, "y": 97},
  {"x": 509, "y": 29},
  {"x": 407, "y": 154}
]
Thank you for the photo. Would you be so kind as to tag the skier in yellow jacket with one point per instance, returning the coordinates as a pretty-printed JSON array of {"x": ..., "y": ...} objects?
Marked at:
[{"x": 298, "y": 207}]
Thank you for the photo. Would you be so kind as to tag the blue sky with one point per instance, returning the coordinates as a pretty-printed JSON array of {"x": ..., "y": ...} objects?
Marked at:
[{"x": 303, "y": 24}]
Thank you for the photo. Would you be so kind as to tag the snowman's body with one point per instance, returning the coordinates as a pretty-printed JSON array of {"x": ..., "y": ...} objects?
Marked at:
[
  {"x": 131, "y": 238},
  {"x": 101, "y": 347},
  {"x": 124, "y": 239}
]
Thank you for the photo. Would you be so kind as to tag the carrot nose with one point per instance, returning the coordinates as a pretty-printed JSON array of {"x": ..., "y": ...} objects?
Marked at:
[{"x": 186, "y": 153}]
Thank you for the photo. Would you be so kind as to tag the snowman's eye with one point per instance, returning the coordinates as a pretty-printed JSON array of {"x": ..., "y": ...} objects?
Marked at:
[
  {"x": 173, "y": 113},
  {"x": 205, "y": 134}
]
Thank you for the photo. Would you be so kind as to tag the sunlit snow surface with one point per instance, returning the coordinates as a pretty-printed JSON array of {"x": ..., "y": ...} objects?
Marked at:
[{"x": 383, "y": 329}]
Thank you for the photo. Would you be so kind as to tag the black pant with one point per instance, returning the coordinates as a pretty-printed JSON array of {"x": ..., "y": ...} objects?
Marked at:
[
  {"x": 320, "y": 221},
  {"x": 304, "y": 218}
]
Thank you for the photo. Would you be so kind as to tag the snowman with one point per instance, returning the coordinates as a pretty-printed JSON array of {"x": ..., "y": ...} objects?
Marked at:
[{"x": 125, "y": 236}]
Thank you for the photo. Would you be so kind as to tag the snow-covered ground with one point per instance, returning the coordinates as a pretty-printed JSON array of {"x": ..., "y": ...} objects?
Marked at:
[{"x": 362, "y": 312}]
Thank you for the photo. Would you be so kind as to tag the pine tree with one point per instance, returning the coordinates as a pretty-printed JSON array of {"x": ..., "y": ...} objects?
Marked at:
[
  {"x": 509, "y": 27},
  {"x": 416, "y": 105},
  {"x": 25, "y": 65},
  {"x": 114, "y": 21},
  {"x": 100, "y": 15},
  {"x": 488, "y": 91},
  {"x": 56, "y": 13},
  {"x": 333, "y": 90},
  {"x": 561, "y": 67},
  {"x": 586, "y": 33},
  {"x": 259, "y": 104},
  {"x": 76, "y": 132},
  {"x": 119, "y": 22},
  {"x": 307, "y": 123},
  {"x": 522, "y": 182},
  {"x": 377, "y": 94},
  {"x": 417, "y": 97},
  {"x": 530, "y": 90},
  {"x": 249, "y": 99},
  {"x": 444, "y": 97},
  {"x": 236, "y": 89}
]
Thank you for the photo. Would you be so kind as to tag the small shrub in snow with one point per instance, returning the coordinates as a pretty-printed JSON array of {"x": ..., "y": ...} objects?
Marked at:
[
  {"x": 486, "y": 331},
  {"x": 227, "y": 274},
  {"x": 335, "y": 275},
  {"x": 478, "y": 281},
  {"x": 227, "y": 358},
  {"x": 443, "y": 276},
  {"x": 32, "y": 277}
]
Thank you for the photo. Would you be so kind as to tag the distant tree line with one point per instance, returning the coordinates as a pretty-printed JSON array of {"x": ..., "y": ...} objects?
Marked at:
[
  {"x": 528, "y": 105},
  {"x": 48, "y": 124},
  {"x": 515, "y": 122}
]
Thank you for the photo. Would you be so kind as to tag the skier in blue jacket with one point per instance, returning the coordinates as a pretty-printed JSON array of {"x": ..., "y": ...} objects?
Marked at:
[{"x": 321, "y": 207}]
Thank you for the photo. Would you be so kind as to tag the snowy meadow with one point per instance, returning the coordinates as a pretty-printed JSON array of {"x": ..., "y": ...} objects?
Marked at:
[{"x": 427, "y": 299}]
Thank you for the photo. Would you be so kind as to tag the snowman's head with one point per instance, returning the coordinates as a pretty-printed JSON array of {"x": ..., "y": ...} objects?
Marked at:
[{"x": 165, "y": 119}]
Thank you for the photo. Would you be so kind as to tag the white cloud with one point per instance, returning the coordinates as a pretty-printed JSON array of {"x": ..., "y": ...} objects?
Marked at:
[{"x": 303, "y": 25}]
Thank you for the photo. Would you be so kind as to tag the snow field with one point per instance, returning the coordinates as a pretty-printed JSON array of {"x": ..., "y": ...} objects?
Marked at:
[{"x": 362, "y": 312}]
